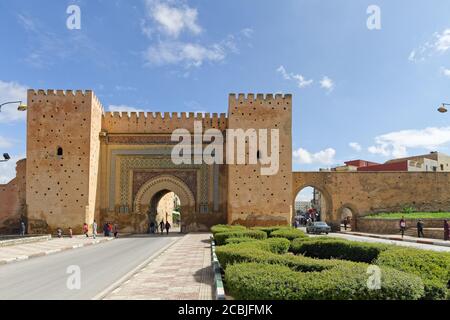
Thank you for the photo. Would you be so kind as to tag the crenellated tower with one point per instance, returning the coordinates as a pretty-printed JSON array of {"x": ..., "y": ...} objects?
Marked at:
[
  {"x": 63, "y": 151},
  {"x": 255, "y": 198}
]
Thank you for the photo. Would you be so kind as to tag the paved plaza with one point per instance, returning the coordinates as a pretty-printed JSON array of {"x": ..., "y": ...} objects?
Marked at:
[{"x": 181, "y": 272}]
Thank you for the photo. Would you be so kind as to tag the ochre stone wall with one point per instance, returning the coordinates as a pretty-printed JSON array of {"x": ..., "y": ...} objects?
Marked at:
[
  {"x": 370, "y": 192},
  {"x": 60, "y": 190},
  {"x": 253, "y": 198},
  {"x": 12, "y": 201}
]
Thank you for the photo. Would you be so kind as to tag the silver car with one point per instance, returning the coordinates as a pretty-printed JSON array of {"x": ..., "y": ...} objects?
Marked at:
[{"x": 318, "y": 228}]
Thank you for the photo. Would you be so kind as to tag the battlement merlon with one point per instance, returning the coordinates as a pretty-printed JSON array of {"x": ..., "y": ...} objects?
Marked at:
[
  {"x": 260, "y": 99},
  {"x": 76, "y": 94}
]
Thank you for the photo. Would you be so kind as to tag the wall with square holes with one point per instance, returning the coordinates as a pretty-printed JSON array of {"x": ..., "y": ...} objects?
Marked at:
[
  {"x": 255, "y": 198},
  {"x": 62, "y": 158}
]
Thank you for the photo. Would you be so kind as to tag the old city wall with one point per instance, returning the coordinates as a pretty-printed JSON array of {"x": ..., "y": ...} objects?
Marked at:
[
  {"x": 370, "y": 192},
  {"x": 12, "y": 200}
]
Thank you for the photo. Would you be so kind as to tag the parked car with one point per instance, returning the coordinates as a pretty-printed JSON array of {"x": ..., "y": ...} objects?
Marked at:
[{"x": 318, "y": 228}]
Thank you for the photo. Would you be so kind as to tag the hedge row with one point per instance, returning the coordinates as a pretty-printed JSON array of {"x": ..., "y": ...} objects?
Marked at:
[
  {"x": 225, "y": 228},
  {"x": 221, "y": 237},
  {"x": 257, "y": 281},
  {"x": 432, "y": 267},
  {"x": 288, "y": 233},
  {"x": 269, "y": 230},
  {"x": 326, "y": 248}
]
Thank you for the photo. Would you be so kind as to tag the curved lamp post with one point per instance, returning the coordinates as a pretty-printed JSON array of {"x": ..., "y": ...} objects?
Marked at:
[
  {"x": 442, "y": 108},
  {"x": 21, "y": 107}
]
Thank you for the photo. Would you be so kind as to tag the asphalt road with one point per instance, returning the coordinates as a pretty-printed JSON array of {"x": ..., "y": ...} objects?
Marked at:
[{"x": 100, "y": 266}]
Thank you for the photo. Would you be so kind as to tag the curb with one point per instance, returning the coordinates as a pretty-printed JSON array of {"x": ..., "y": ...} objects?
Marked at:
[
  {"x": 435, "y": 243},
  {"x": 218, "y": 283},
  {"x": 130, "y": 274},
  {"x": 24, "y": 240},
  {"x": 52, "y": 251}
]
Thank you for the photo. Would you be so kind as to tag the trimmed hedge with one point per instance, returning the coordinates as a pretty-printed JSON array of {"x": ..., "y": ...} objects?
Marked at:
[
  {"x": 268, "y": 251},
  {"x": 225, "y": 228},
  {"x": 221, "y": 237},
  {"x": 432, "y": 267},
  {"x": 256, "y": 281},
  {"x": 326, "y": 248},
  {"x": 269, "y": 230},
  {"x": 288, "y": 233},
  {"x": 238, "y": 240}
]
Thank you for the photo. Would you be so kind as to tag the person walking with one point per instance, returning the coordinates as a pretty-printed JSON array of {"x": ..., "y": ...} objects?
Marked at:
[
  {"x": 105, "y": 229},
  {"x": 446, "y": 230},
  {"x": 420, "y": 226},
  {"x": 22, "y": 228},
  {"x": 161, "y": 226},
  {"x": 110, "y": 229},
  {"x": 85, "y": 230},
  {"x": 402, "y": 224},
  {"x": 59, "y": 232},
  {"x": 152, "y": 227},
  {"x": 345, "y": 223},
  {"x": 94, "y": 229},
  {"x": 167, "y": 227},
  {"x": 116, "y": 230},
  {"x": 70, "y": 232}
]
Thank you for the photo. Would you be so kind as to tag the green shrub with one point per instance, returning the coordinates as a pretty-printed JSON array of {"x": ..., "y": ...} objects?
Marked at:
[
  {"x": 256, "y": 281},
  {"x": 288, "y": 233},
  {"x": 432, "y": 267},
  {"x": 269, "y": 230},
  {"x": 238, "y": 240},
  {"x": 266, "y": 252},
  {"x": 221, "y": 237},
  {"x": 326, "y": 248},
  {"x": 225, "y": 228}
]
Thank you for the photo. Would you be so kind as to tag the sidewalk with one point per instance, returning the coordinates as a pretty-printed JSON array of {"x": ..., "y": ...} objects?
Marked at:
[
  {"x": 395, "y": 237},
  {"x": 26, "y": 251},
  {"x": 182, "y": 272}
]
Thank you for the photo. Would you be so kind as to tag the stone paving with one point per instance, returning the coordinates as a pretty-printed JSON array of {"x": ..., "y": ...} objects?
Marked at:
[
  {"x": 20, "y": 252},
  {"x": 182, "y": 272}
]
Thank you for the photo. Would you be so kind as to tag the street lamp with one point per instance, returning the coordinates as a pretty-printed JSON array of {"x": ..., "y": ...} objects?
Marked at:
[
  {"x": 21, "y": 107},
  {"x": 6, "y": 157},
  {"x": 442, "y": 108}
]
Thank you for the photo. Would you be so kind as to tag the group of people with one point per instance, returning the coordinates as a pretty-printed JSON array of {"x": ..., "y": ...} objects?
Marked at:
[
  {"x": 421, "y": 225},
  {"x": 108, "y": 229},
  {"x": 154, "y": 227}
]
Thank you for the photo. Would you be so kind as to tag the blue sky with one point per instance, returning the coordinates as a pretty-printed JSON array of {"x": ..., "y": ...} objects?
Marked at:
[{"x": 358, "y": 93}]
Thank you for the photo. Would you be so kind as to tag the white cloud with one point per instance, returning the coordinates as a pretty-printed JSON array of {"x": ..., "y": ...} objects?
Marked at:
[
  {"x": 188, "y": 54},
  {"x": 397, "y": 143},
  {"x": 298, "y": 78},
  {"x": 5, "y": 143},
  {"x": 172, "y": 18},
  {"x": 303, "y": 156},
  {"x": 445, "y": 72},
  {"x": 12, "y": 91},
  {"x": 123, "y": 108},
  {"x": 327, "y": 84},
  {"x": 438, "y": 45},
  {"x": 355, "y": 146},
  {"x": 8, "y": 169}
]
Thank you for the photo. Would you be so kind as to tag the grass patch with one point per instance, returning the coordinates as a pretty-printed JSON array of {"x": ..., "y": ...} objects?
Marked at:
[{"x": 412, "y": 215}]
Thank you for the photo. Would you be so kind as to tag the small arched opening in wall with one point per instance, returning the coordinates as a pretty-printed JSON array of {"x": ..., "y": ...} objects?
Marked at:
[
  {"x": 165, "y": 206},
  {"x": 313, "y": 203},
  {"x": 158, "y": 196},
  {"x": 348, "y": 215}
]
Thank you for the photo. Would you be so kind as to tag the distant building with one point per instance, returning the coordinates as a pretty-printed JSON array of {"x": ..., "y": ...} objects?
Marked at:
[{"x": 433, "y": 162}]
